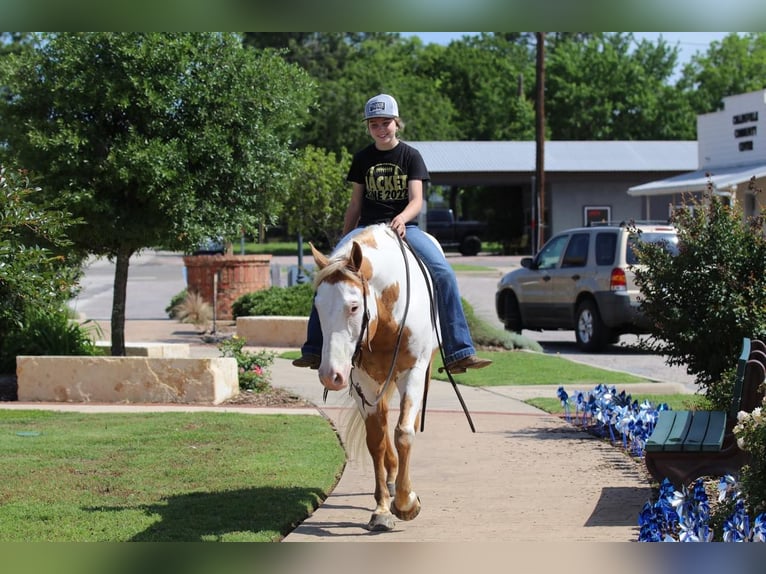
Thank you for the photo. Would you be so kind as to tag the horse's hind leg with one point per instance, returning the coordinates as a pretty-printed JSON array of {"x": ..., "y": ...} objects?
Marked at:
[
  {"x": 384, "y": 463},
  {"x": 406, "y": 504}
]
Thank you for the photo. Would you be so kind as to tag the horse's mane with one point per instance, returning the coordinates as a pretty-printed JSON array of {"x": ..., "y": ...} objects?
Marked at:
[{"x": 339, "y": 259}]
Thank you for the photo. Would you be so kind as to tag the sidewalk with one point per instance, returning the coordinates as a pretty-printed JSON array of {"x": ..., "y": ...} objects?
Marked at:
[{"x": 523, "y": 476}]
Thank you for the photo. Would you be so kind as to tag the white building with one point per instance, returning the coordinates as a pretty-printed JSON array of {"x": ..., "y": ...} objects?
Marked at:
[{"x": 731, "y": 152}]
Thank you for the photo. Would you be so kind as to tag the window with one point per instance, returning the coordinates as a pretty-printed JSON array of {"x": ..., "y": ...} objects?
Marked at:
[
  {"x": 606, "y": 244},
  {"x": 596, "y": 214},
  {"x": 549, "y": 257},
  {"x": 576, "y": 254}
]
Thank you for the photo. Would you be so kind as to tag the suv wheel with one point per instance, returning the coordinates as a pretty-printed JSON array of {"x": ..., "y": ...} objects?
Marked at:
[
  {"x": 590, "y": 331},
  {"x": 512, "y": 314}
]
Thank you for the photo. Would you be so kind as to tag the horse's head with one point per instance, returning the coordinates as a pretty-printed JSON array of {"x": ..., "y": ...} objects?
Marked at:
[{"x": 345, "y": 307}]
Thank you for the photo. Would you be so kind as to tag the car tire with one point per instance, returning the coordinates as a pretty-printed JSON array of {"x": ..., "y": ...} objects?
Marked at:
[
  {"x": 512, "y": 313},
  {"x": 470, "y": 245},
  {"x": 590, "y": 332}
]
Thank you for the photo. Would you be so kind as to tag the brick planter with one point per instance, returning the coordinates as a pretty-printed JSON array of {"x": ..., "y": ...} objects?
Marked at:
[{"x": 237, "y": 275}]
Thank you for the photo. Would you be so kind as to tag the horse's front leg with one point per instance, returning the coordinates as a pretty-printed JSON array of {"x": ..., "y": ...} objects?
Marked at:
[
  {"x": 406, "y": 504},
  {"x": 385, "y": 465}
]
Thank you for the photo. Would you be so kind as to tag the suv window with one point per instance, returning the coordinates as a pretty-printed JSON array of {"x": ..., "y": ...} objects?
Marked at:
[
  {"x": 550, "y": 254},
  {"x": 668, "y": 240},
  {"x": 576, "y": 254},
  {"x": 606, "y": 244}
]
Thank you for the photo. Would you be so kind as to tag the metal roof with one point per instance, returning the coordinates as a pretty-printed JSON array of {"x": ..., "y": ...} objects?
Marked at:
[
  {"x": 560, "y": 156},
  {"x": 720, "y": 179}
]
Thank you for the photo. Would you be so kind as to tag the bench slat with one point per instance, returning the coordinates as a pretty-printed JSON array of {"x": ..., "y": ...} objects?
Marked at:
[
  {"x": 716, "y": 427},
  {"x": 679, "y": 431},
  {"x": 656, "y": 440},
  {"x": 697, "y": 432}
]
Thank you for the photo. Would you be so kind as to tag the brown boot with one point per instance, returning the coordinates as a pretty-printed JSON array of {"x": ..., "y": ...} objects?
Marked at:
[
  {"x": 469, "y": 362},
  {"x": 310, "y": 361}
]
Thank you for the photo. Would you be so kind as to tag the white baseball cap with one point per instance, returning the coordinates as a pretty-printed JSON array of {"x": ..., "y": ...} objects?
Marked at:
[{"x": 381, "y": 106}]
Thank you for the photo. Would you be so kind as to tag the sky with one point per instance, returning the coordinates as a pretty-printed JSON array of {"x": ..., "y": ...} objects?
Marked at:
[{"x": 688, "y": 42}]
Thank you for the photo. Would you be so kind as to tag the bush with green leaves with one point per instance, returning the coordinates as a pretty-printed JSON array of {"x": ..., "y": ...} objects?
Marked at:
[
  {"x": 294, "y": 301},
  {"x": 704, "y": 300},
  {"x": 750, "y": 431},
  {"x": 252, "y": 366},
  {"x": 38, "y": 268},
  {"x": 48, "y": 332}
]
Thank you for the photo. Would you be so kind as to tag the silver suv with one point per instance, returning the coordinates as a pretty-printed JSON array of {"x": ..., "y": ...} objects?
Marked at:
[{"x": 581, "y": 279}]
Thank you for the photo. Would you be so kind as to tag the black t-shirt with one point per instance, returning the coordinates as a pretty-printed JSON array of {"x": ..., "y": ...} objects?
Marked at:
[{"x": 384, "y": 175}]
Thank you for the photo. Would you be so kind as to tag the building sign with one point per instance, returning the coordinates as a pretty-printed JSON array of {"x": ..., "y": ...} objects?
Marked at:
[{"x": 596, "y": 214}]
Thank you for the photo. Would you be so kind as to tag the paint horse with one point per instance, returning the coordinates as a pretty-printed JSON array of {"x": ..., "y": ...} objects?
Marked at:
[{"x": 374, "y": 305}]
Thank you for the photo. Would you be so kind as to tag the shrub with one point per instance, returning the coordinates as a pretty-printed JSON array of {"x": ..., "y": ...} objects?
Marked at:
[
  {"x": 193, "y": 309},
  {"x": 175, "y": 301},
  {"x": 750, "y": 431},
  {"x": 46, "y": 332},
  {"x": 253, "y": 367},
  {"x": 294, "y": 301},
  {"x": 705, "y": 299}
]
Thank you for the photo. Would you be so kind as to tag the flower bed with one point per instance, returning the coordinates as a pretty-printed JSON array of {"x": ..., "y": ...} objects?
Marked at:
[
  {"x": 605, "y": 412},
  {"x": 676, "y": 516},
  {"x": 685, "y": 516}
]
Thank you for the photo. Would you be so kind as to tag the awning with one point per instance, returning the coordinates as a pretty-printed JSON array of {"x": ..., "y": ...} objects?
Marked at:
[{"x": 722, "y": 179}]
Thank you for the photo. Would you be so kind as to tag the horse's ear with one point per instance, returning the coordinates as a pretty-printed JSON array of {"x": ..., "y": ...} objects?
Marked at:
[
  {"x": 355, "y": 258},
  {"x": 319, "y": 257}
]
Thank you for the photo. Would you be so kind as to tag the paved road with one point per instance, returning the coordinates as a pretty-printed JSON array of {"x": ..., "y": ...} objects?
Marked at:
[{"x": 155, "y": 277}]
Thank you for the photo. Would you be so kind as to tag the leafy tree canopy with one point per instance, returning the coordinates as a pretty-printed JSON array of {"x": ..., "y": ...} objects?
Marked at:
[{"x": 153, "y": 140}]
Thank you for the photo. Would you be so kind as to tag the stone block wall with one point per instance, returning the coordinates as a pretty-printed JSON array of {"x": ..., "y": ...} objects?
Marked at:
[{"x": 126, "y": 379}]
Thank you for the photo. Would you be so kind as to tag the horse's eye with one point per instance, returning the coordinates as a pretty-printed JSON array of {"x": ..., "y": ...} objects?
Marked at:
[{"x": 354, "y": 309}]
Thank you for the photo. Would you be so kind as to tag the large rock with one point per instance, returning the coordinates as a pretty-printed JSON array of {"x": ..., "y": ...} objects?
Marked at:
[
  {"x": 126, "y": 379},
  {"x": 264, "y": 331}
]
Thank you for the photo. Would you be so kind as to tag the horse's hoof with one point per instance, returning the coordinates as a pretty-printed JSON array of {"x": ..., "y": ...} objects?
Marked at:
[
  {"x": 410, "y": 514},
  {"x": 391, "y": 488},
  {"x": 381, "y": 523}
]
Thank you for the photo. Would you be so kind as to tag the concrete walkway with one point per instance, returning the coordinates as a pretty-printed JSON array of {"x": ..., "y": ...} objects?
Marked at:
[{"x": 523, "y": 476}]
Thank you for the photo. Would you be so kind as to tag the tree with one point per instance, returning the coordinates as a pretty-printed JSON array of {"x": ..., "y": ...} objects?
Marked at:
[
  {"x": 490, "y": 81},
  {"x": 154, "y": 140},
  {"x": 605, "y": 88},
  {"x": 318, "y": 196},
  {"x": 705, "y": 299},
  {"x": 735, "y": 65},
  {"x": 35, "y": 272}
]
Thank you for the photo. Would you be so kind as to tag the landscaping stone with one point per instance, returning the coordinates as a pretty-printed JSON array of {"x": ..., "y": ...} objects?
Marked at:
[{"x": 126, "y": 379}]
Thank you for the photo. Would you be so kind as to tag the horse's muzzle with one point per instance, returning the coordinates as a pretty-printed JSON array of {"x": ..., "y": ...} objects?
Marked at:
[{"x": 333, "y": 379}]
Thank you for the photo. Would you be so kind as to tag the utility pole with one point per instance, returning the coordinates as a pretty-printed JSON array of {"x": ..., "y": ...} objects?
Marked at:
[{"x": 539, "y": 240}]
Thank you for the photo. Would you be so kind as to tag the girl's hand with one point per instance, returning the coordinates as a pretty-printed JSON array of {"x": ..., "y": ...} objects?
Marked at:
[{"x": 397, "y": 224}]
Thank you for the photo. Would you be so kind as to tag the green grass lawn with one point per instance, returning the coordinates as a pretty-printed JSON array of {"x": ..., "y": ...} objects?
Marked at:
[
  {"x": 525, "y": 368},
  {"x": 162, "y": 476}
]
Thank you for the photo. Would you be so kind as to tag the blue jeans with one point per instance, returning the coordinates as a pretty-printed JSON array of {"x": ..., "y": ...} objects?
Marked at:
[{"x": 455, "y": 335}]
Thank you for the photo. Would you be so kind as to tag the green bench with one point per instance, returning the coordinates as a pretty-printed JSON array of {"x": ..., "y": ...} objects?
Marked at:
[{"x": 686, "y": 445}]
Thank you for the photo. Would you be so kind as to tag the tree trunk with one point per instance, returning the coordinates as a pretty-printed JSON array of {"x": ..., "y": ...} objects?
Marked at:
[{"x": 118, "y": 302}]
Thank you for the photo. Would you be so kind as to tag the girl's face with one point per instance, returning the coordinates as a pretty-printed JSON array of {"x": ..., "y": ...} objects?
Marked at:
[{"x": 383, "y": 131}]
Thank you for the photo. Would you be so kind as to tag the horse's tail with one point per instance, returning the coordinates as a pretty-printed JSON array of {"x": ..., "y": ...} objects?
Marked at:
[{"x": 354, "y": 435}]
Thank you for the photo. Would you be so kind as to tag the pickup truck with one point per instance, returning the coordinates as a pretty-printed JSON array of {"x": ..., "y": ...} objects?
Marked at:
[{"x": 463, "y": 235}]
